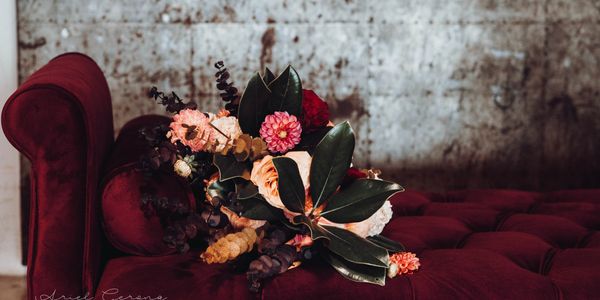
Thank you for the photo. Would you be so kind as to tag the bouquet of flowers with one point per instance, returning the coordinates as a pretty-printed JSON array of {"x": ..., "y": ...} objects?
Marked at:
[{"x": 274, "y": 184}]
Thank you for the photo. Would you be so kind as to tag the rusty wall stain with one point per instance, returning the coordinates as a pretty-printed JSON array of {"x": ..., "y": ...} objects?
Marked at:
[{"x": 267, "y": 41}]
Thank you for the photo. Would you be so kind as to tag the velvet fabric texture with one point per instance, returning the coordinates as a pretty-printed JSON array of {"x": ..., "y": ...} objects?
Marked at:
[
  {"x": 479, "y": 244},
  {"x": 124, "y": 223},
  {"x": 61, "y": 120}
]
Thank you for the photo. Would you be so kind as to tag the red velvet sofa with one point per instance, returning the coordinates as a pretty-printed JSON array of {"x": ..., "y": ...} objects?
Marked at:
[{"x": 478, "y": 244}]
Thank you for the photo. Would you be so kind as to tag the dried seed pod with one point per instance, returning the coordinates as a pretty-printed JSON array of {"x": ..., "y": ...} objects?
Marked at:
[
  {"x": 230, "y": 246},
  {"x": 268, "y": 265},
  {"x": 258, "y": 149}
]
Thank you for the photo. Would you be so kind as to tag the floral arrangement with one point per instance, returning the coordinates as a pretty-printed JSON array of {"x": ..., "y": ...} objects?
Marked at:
[{"x": 274, "y": 183}]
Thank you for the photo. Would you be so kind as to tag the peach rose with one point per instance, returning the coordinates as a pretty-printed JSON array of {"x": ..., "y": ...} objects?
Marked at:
[{"x": 264, "y": 175}]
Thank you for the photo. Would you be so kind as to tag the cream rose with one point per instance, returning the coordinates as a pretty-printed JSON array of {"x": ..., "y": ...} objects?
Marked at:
[
  {"x": 228, "y": 126},
  {"x": 264, "y": 175}
]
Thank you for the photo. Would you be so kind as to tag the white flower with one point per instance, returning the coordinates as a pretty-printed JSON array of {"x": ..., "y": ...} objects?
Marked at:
[
  {"x": 228, "y": 130},
  {"x": 392, "y": 270},
  {"x": 379, "y": 219},
  {"x": 372, "y": 226},
  {"x": 182, "y": 168}
]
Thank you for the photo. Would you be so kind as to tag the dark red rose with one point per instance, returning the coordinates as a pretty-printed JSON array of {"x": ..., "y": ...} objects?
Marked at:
[
  {"x": 315, "y": 112},
  {"x": 351, "y": 175}
]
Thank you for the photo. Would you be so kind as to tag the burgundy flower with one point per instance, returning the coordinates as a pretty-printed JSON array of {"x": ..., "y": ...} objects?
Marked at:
[
  {"x": 351, "y": 175},
  {"x": 315, "y": 112}
]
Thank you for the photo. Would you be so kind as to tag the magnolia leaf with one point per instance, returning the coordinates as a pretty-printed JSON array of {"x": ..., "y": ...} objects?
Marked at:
[
  {"x": 331, "y": 160},
  {"x": 259, "y": 209},
  {"x": 245, "y": 189},
  {"x": 229, "y": 167},
  {"x": 289, "y": 184},
  {"x": 253, "y": 105},
  {"x": 309, "y": 140},
  {"x": 268, "y": 77},
  {"x": 356, "y": 272},
  {"x": 354, "y": 248},
  {"x": 359, "y": 201},
  {"x": 286, "y": 93},
  {"x": 389, "y": 244},
  {"x": 316, "y": 232}
]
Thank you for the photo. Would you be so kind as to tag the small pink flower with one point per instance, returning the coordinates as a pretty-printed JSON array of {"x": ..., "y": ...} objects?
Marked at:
[
  {"x": 403, "y": 263},
  {"x": 281, "y": 131}
]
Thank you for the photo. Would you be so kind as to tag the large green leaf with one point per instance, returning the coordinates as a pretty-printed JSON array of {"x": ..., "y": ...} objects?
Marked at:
[
  {"x": 253, "y": 105},
  {"x": 268, "y": 76},
  {"x": 309, "y": 140},
  {"x": 356, "y": 272},
  {"x": 354, "y": 248},
  {"x": 359, "y": 201},
  {"x": 389, "y": 244},
  {"x": 346, "y": 244},
  {"x": 316, "y": 232},
  {"x": 245, "y": 189},
  {"x": 229, "y": 167},
  {"x": 331, "y": 160},
  {"x": 286, "y": 93},
  {"x": 259, "y": 209},
  {"x": 289, "y": 184}
]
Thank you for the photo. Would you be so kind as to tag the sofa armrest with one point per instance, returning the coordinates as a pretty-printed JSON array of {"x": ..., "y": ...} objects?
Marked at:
[{"x": 61, "y": 120}]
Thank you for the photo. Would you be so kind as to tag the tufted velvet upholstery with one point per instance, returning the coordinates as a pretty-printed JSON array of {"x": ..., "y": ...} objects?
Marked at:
[{"x": 477, "y": 244}]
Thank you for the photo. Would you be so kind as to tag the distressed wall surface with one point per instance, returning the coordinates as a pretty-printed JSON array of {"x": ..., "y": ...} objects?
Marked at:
[{"x": 442, "y": 94}]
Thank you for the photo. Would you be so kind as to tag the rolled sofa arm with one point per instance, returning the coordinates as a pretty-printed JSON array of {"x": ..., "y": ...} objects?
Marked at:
[{"x": 61, "y": 120}]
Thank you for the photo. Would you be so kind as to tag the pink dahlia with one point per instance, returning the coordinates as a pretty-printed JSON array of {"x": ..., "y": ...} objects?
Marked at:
[
  {"x": 281, "y": 131},
  {"x": 191, "y": 128}
]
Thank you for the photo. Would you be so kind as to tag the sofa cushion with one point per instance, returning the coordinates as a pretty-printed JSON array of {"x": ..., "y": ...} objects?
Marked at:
[
  {"x": 125, "y": 225},
  {"x": 472, "y": 244}
]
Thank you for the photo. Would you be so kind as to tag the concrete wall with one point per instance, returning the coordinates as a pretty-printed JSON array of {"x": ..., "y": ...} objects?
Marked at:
[
  {"x": 10, "y": 223},
  {"x": 443, "y": 94}
]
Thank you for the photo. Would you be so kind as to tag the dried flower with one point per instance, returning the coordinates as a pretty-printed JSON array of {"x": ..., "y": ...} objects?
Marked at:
[
  {"x": 281, "y": 131},
  {"x": 403, "y": 263},
  {"x": 182, "y": 168},
  {"x": 192, "y": 129},
  {"x": 230, "y": 246}
]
